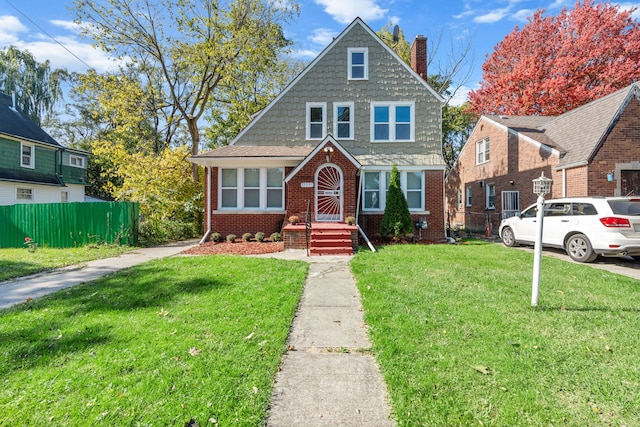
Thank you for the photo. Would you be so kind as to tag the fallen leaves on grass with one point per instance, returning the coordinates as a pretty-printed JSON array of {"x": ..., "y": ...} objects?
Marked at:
[{"x": 238, "y": 248}]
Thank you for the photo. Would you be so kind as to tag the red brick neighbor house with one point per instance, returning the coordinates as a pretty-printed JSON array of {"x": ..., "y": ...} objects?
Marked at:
[
  {"x": 593, "y": 150},
  {"x": 328, "y": 143}
]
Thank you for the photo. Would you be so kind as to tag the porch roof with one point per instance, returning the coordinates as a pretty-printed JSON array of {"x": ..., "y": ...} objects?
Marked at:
[
  {"x": 429, "y": 161},
  {"x": 243, "y": 154}
]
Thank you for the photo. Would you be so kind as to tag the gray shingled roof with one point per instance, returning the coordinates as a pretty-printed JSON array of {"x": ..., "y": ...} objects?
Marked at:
[
  {"x": 17, "y": 124},
  {"x": 256, "y": 151},
  {"x": 576, "y": 133}
]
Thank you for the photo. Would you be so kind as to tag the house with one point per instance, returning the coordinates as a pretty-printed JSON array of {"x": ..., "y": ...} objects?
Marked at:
[
  {"x": 327, "y": 145},
  {"x": 34, "y": 168},
  {"x": 593, "y": 150}
]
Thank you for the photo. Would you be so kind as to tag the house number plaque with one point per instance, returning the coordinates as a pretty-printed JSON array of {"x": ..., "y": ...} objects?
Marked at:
[{"x": 306, "y": 184}]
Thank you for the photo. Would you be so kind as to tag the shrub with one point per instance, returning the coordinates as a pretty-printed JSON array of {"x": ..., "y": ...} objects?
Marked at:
[
  {"x": 397, "y": 218},
  {"x": 216, "y": 237},
  {"x": 350, "y": 220},
  {"x": 275, "y": 237},
  {"x": 247, "y": 236},
  {"x": 154, "y": 231},
  {"x": 294, "y": 219},
  {"x": 231, "y": 238},
  {"x": 259, "y": 236}
]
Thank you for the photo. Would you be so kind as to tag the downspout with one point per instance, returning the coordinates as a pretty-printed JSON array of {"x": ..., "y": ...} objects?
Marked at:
[
  {"x": 373, "y": 249},
  {"x": 208, "y": 233}
]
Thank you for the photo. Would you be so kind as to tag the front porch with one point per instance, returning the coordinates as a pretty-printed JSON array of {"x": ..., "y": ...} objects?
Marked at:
[{"x": 325, "y": 238}]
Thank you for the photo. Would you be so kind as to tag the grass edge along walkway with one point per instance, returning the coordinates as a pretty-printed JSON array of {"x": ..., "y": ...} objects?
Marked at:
[
  {"x": 459, "y": 344},
  {"x": 161, "y": 343}
]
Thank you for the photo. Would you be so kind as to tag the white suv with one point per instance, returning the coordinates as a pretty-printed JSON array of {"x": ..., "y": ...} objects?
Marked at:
[{"x": 585, "y": 227}]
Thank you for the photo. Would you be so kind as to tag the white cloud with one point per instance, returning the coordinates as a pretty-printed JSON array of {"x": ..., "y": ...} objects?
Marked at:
[
  {"x": 10, "y": 27},
  {"x": 67, "y": 25},
  {"x": 305, "y": 53},
  {"x": 523, "y": 15},
  {"x": 628, "y": 6},
  {"x": 491, "y": 17},
  {"x": 345, "y": 11},
  {"x": 322, "y": 36}
]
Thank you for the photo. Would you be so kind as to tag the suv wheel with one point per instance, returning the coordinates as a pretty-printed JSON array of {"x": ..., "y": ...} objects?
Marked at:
[
  {"x": 579, "y": 248},
  {"x": 507, "y": 237}
]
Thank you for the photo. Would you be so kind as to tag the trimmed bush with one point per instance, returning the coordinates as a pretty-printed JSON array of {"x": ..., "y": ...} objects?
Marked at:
[
  {"x": 397, "y": 219},
  {"x": 216, "y": 237},
  {"x": 259, "y": 236},
  {"x": 247, "y": 236},
  {"x": 231, "y": 238},
  {"x": 275, "y": 237}
]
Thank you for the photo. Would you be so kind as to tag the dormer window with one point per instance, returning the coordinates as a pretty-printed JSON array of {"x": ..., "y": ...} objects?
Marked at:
[
  {"x": 358, "y": 63},
  {"x": 26, "y": 156},
  {"x": 316, "y": 120}
]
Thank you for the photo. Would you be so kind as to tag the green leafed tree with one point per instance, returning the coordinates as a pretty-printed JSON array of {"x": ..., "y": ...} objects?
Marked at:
[
  {"x": 36, "y": 87},
  {"x": 196, "y": 45},
  {"x": 397, "y": 219}
]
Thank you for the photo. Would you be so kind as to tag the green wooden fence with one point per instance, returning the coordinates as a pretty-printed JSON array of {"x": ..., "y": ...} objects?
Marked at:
[{"x": 67, "y": 225}]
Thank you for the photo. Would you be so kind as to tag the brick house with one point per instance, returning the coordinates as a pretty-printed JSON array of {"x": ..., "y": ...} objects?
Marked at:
[
  {"x": 328, "y": 142},
  {"x": 35, "y": 168},
  {"x": 593, "y": 150}
]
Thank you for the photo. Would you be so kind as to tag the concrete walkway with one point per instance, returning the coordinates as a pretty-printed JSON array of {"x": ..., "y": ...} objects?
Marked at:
[
  {"x": 19, "y": 290},
  {"x": 327, "y": 378}
]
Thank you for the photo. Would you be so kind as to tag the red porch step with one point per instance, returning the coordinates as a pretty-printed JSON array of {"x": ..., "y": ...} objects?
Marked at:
[{"x": 330, "y": 239}]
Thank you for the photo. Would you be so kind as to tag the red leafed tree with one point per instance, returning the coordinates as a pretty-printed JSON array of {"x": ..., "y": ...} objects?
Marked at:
[{"x": 555, "y": 64}]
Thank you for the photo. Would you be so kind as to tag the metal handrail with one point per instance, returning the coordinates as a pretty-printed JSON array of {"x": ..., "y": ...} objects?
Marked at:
[{"x": 307, "y": 224}]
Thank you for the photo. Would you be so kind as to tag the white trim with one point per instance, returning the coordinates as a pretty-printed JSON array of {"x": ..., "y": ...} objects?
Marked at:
[
  {"x": 308, "y": 121},
  {"x": 341, "y": 196},
  {"x": 483, "y": 146},
  {"x": 315, "y": 151},
  {"x": 352, "y": 50},
  {"x": 392, "y": 120},
  {"x": 241, "y": 188},
  {"x": 351, "y": 106},
  {"x": 382, "y": 189},
  {"x": 318, "y": 58},
  {"x": 82, "y": 164},
  {"x": 32, "y": 192},
  {"x": 32, "y": 155}
]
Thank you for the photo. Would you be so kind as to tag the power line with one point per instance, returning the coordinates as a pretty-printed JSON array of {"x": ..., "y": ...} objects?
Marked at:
[{"x": 49, "y": 35}]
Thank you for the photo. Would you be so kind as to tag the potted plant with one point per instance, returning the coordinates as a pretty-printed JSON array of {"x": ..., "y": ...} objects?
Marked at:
[
  {"x": 294, "y": 219},
  {"x": 350, "y": 220}
]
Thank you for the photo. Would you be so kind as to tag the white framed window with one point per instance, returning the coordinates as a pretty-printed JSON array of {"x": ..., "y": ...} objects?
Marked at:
[
  {"x": 64, "y": 196},
  {"x": 251, "y": 188},
  {"x": 490, "y": 196},
  {"x": 27, "y": 155},
  {"x": 24, "y": 194},
  {"x": 76, "y": 161},
  {"x": 376, "y": 186},
  {"x": 468, "y": 196},
  {"x": 393, "y": 121},
  {"x": 343, "y": 120},
  {"x": 460, "y": 200},
  {"x": 358, "y": 59},
  {"x": 316, "y": 120},
  {"x": 482, "y": 151}
]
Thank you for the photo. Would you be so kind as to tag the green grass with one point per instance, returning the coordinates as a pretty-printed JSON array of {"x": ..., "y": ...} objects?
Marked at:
[
  {"x": 20, "y": 262},
  {"x": 459, "y": 343},
  {"x": 159, "y": 344}
]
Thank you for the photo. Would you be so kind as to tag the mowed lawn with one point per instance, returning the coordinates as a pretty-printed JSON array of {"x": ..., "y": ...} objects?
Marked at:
[
  {"x": 459, "y": 343},
  {"x": 169, "y": 341}
]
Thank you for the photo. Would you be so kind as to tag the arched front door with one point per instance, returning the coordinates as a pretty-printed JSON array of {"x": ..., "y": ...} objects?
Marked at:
[{"x": 329, "y": 188}]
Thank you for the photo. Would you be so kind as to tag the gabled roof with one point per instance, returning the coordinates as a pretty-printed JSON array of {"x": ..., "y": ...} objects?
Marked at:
[
  {"x": 325, "y": 141},
  {"x": 582, "y": 130},
  {"x": 16, "y": 124},
  {"x": 248, "y": 153},
  {"x": 356, "y": 22}
]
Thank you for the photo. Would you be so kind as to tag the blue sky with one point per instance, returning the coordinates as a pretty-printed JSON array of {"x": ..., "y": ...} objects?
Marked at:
[{"x": 34, "y": 24}]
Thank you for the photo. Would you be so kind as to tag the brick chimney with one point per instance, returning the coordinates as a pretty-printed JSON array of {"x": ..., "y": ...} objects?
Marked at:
[{"x": 419, "y": 56}]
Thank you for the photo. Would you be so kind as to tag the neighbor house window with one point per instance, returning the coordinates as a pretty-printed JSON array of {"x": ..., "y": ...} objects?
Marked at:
[
  {"x": 316, "y": 120},
  {"x": 468, "y": 195},
  {"x": 482, "y": 151},
  {"x": 23, "y": 193},
  {"x": 64, "y": 196},
  {"x": 76, "y": 161},
  {"x": 252, "y": 188},
  {"x": 392, "y": 122},
  {"x": 27, "y": 155},
  {"x": 343, "y": 120},
  {"x": 358, "y": 63},
  {"x": 459, "y": 198},
  {"x": 376, "y": 186},
  {"x": 491, "y": 196}
]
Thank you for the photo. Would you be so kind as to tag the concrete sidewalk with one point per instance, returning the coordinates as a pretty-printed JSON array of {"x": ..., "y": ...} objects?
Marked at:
[
  {"x": 18, "y": 290},
  {"x": 328, "y": 378}
]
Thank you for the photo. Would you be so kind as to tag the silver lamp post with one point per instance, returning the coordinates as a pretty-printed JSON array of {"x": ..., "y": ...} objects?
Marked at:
[{"x": 541, "y": 187}]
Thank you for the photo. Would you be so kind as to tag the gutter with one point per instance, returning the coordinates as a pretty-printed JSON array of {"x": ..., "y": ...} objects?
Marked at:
[{"x": 208, "y": 232}]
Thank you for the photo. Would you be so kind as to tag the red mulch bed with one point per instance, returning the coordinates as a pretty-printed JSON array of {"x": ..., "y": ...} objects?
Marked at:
[{"x": 237, "y": 248}]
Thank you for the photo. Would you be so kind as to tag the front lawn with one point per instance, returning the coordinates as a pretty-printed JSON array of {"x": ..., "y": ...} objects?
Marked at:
[
  {"x": 159, "y": 344},
  {"x": 459, "y": 343},
  {"x": 21, "y": 262}
]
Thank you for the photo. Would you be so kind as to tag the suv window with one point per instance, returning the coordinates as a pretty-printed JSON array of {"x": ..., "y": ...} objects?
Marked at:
[
  {"x": 530, "y": 213},
  {"x": 625, "y": 207},
  {"x": 557, "y": 209},
  {"x": 583, "y": 209}
]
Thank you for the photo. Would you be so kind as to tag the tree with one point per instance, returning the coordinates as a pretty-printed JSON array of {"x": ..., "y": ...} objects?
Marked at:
[
  {"x": 195, "y": 45},
  {"x": 397, "y": 219},
  {"x": 457, "y": 124},
  {"x": 555, "y": 64},
  {"x": 36, "y": 87}
]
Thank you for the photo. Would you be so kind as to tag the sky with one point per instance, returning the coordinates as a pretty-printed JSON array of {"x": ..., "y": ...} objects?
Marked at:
[{"x": 46, "y": 28}]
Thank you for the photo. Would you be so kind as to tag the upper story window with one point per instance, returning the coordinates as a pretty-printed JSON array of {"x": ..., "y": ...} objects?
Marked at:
[
  {"x": 252, "y": 188},
  {"x": 343, "y": 120},
  {"x": 482, "y": 151},
  {"x": 393, "y": 121},
  {"x": 316, "y": 120},
  {"x": 27, "y": 155},
  {"x": 358, "y": 63},
  {"x": 76, "y": 161}
]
